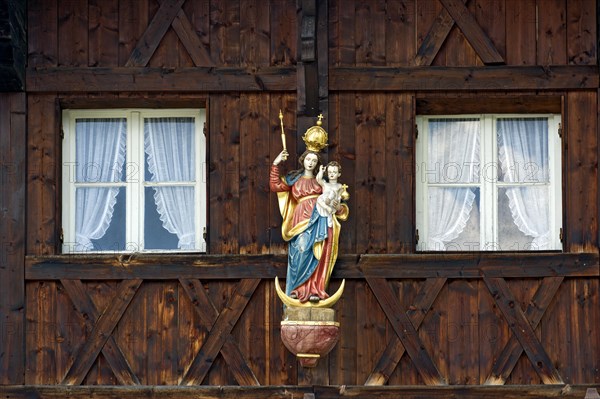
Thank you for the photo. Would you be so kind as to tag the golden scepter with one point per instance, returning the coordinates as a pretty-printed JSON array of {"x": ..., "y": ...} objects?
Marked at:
[{"x": 282, "y": 131}]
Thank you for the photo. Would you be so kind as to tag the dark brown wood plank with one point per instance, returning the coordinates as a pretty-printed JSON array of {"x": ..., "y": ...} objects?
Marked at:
[
  {"x": 133, "y": 21},
  {"x": 220, "y": 331},
  {"x": 583, "y": 318},
  {"x": 552, "y": 33},
  {"x": 582, "y": 28},
  {"x": 155, "y": 392},
  {"x": 463, "y": 78},
  {"x": 435, "y": 38},
  {"x": 190, "y": 40},
  {"x": 521, "y": 328},
  {"x": 371, "y": 330},
  {"x": 462, "y": 332},
  {"x": 13, "y": 166},
  {"x": 370, "y": 49},
  {"x": 342, "y": 358},
  {"x": 209, "y": 315},
  {"x": 582, "y": 172},
  {"x": 406, "y": 331},
  {"x": 285, "y": 392},
  {"x": 224, "y": 174},
  {"x": 416, "y": 312},
  {"x": 255, "y": 43},
  {"x": 102, "y": 330},
  {"x": 103, "y": 33},
  {"x": 478, "y": 39},
  {"x": 41, "y": 324},
  {"x": 42, "y": 33},
  {"x": 491, "y": 16},
  {"x": 73, "y": 33},
  {"x": 42, "y": 176},
  {"x": 227, "y": 267},
  {"x": 154, "y": 33},
  {"x": 90, "y": 314},
  {"x": 400, "y": 25},
  {"x": 225, "y": 32},
  {"x": 283, "y": 32},
  {"x": 518, "y": 103},
  {"x": 253, "y": 183},
  {"x": 178, "y": 80},
  {"x": 509, "y": 356},
  {"x": 399, "y": 171},
  {"x": 521, "y": 15}
]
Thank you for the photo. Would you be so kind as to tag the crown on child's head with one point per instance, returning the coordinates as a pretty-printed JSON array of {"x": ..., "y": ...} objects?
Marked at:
[{"x": 315, "y": 137}]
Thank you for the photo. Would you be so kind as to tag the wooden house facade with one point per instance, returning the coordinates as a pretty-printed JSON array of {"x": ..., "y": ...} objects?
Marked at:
[{"x": 511, "y": 324}]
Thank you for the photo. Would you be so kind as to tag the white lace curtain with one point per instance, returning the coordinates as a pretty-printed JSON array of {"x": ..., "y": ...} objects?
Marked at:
[
  {"x": 100, "y": 146},
  {"x": 169, "y": 144},
  {"x": 523, "y": 154},
  {"x": 453, "y": 158}
]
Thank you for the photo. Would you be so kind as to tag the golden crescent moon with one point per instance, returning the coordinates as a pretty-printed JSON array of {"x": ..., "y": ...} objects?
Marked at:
[{"x": 323, "y": 303}]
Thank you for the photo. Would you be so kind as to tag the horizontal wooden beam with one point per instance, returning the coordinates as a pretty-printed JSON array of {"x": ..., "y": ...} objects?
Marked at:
[
  {"x": 223, "y": 267},
  {"x": 505, "y": 104},
  {"x": 181, "y": 80},
  {"x": 286, "y": 392},
  {"x": 463, "y": 78}
]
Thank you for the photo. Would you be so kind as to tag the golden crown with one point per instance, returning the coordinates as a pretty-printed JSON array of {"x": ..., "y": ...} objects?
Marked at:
[{"x": 315, "y": 137}]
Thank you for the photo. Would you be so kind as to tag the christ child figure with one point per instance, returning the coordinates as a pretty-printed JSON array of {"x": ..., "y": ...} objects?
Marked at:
[{"x": 329, "y": 200}]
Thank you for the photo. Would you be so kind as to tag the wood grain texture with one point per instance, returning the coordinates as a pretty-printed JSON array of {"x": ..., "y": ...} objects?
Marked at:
[{"x": 13, "y": 166}]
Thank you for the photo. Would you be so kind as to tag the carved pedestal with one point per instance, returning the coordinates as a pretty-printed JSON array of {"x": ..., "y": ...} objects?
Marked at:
[{"x": 309, "y": 333}]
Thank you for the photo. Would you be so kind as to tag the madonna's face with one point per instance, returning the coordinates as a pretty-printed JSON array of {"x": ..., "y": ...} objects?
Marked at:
[{"x": 310, "y": 161}]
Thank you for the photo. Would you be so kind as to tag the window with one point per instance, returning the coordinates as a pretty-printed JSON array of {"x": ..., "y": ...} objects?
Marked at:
[
  {"x": 488, "y": 182},
  {"x": 134, "y": 180}
]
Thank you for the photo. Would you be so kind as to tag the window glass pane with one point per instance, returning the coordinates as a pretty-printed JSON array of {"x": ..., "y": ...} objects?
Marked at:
[
  {"x": 169, "y": 218},
  {"x": 100, "y": 147},
  {"x": 169, "y": 149},
  {"x": 454, "y": 151},
  {"x": 100, "y": 219},
  {"x": 454, "y": 218},
  {"x": 524, "y": 218},
  {"x": 523, "y": 150}
]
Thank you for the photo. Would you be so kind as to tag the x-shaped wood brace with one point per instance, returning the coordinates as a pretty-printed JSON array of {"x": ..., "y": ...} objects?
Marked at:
[
  {"x": 219, "y": 327},
  {"x": 523, "y": 326},
  {"x": 101, "y": 327},
  {"x": 405, "y": 325},
  {"x": 169, "y": 14},
  {"x": 455, "y": 11}
]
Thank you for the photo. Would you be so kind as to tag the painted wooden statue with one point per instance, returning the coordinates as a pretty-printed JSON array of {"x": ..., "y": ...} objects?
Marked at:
[{"x": 311, "y": 208}]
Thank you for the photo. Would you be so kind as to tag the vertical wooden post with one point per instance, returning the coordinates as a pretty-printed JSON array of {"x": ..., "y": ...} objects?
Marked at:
[
  {"x": 13, "y": 147},
  {"x": 312, "y": 70}
]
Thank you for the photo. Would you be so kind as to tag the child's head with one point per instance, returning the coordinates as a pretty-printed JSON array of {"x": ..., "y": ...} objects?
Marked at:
[{"x": 334, "y": 170}]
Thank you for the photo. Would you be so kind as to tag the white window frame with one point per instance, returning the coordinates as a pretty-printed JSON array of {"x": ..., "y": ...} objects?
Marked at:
[
  {"x": 488, "y": 187},
  {"x": 134, "y": 175}
]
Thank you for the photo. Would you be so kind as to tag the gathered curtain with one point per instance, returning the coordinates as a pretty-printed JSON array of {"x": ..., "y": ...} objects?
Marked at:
[
  {"x": 523, "y": 155},
  {"x": 453, "y": 158},
  {"x": 169, "y": 145},
  {"x": 100, "y": 146}
]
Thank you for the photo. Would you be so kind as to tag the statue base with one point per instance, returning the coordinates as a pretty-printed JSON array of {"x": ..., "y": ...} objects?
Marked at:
[{"x": 309, "y": 333}]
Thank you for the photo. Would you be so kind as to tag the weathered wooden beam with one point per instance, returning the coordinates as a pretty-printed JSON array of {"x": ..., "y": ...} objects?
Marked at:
[
  {"x": 13, "y": 45},
  {"x": 522, "y": 329},
  {"x": 230, "y": 351},
  {"x": 101, "y": 332},
  {"x": 478, "y": 39},
  {"x": 287, "y": 392},
  {"x": 435, "y": 38},
  {"x": 463, "y": 78},
  {"x": 406, "y": 332},
  {"x": 151, "y": 38},
  {"x": 180, "y": 80},
  {"x": 517, "y": 103},
  {"x": 220, "y": 332},
  {"x": 225, "y": 267},
  {"x": 508, "y": 358},
  {"x": 111, "y": 350},
  {"x": 389, "y": 359}
]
